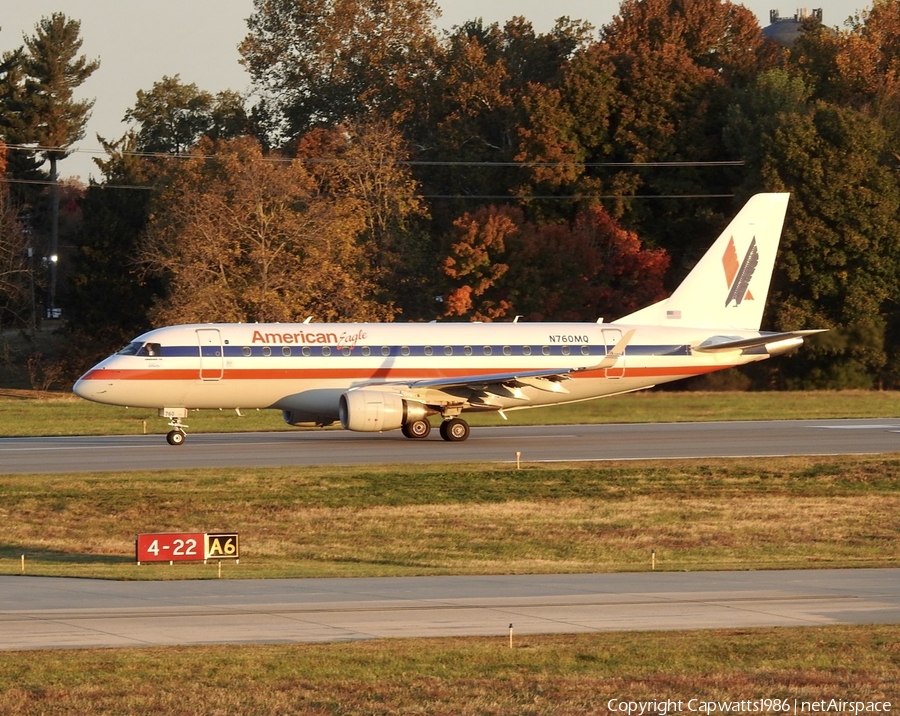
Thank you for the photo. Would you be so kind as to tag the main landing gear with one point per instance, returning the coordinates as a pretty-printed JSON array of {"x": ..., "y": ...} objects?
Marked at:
[{"x": 453, "y": 430}]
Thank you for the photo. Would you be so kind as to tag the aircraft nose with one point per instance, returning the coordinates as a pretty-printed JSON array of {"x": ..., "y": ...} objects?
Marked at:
[{"x": 90, "y": 388}]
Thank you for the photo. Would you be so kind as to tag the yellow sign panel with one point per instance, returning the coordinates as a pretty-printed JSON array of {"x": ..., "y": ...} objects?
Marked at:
[{"x": 223, "y": 546}]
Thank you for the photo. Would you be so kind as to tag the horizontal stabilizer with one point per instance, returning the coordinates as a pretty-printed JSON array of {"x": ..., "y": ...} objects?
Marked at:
[{"x": 730, "y": 343}]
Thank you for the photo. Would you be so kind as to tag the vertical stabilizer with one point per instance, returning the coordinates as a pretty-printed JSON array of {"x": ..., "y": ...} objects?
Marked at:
[{"x": 728, "y": 286}]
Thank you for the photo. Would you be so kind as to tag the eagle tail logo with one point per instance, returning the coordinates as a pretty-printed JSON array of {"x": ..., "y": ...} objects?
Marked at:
[{"x": 739, "y": 274}]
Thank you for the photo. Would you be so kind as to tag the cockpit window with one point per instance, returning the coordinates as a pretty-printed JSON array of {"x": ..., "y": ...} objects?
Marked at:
[
  {"x": 139, "y": 348},
  {"x": 131, "y": 349}
]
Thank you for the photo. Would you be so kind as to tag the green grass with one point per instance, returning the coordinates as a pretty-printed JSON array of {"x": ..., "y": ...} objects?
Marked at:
[
  {"x": 464, "y": 519},
  {"x": 558, "y": 675},
  {"x": 25, "y": 413}
]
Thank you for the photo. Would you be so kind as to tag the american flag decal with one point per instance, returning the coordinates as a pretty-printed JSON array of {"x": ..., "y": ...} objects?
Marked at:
[{"x": 738, "y": 275}]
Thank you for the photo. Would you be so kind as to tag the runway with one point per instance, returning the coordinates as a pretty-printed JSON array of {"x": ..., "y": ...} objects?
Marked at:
[
  {"x": 486, "y": 445},
  {"x": 46, "y": 613},
  {"x": 43, "y": 613}
]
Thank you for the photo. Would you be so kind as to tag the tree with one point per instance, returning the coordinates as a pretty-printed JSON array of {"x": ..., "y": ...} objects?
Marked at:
[
  {"x": 109, "y": 296},
  {"x": 172, "y": 116},
  {"x": 467, "y": 129},
  {"x": 840, "y": 249},
  {"x": 368, "y": 162},
  {"x": 15, "y": 273},
  {"x": 14, "y": 122},
  {"x": 237, "y": 237},
  {"x": 475, "y": 264},
  {"x": 321, "y": 62},
  {"x": 857, "y": 66},
  {"x": 501, "y": 265},
  {"x": 638, "y": 113},
  {"x": 54, "y": 120}
]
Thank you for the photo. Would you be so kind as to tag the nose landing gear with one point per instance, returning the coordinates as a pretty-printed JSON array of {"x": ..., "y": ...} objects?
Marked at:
[{"x": 176, "y": 435}]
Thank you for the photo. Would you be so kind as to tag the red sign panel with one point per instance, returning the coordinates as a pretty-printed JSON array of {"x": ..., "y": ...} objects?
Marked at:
[{"x": 171, "y": 547}]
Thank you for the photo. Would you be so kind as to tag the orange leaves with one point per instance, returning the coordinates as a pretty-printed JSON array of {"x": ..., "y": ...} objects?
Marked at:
[
  {"x": 500, "y": 264},
  {"x": 242, "y": 238},
  {"x": 481, "y": 238}
]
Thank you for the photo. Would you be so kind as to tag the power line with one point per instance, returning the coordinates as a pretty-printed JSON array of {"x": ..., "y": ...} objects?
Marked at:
[
  {"x": 404, "y": 162},
  {"x": 452, "y": 197}
]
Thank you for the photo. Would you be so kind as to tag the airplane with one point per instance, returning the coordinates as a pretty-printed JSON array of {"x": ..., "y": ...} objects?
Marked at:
[{"x": 374, "y": 377}]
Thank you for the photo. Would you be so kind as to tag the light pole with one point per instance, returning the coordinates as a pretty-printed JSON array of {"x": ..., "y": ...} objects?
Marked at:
[{"x": 33, "y": 302}]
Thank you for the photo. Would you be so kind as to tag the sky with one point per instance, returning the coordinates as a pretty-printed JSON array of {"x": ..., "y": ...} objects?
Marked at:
[{"x": 138, "y": 43}]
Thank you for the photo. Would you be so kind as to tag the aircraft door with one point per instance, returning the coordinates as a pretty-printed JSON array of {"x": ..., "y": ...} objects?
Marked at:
[
  {"x": 212, "y": 364},
  {"x": 611, "y": 337}
]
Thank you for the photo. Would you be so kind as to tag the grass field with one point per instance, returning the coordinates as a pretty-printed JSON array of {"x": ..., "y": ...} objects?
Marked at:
[
  {"x": 464, "y": 519},
  {"x": 553, "y": 675}
]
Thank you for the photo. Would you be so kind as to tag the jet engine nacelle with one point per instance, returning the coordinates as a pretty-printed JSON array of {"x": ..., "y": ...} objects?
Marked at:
[{"x": 373, "y": 411}]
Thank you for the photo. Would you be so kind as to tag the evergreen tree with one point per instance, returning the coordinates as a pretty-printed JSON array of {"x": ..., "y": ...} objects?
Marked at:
[{"x": 54, "y": 119}]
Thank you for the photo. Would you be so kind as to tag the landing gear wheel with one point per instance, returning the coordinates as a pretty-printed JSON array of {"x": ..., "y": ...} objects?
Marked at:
[
  {"x": 454, "y": 430},
  {"x": 175, "y": 437},
  {"x": 417, "y": 429}
]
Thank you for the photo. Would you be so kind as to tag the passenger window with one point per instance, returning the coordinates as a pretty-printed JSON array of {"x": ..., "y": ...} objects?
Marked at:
[
  {"x": 246, "y": 350},
  {"x": 385, "y": 350},
  {"x": 267, "y": 351},
  {"x": 467, "y": 350},
  {"x": 306, "y": 351},
  {"x": 448, "y": 350},
  {"x": 487, "y": 350},
  {"x": 526, "y": 350},
  {"x": 545, "y": 350},
  {"x": 404, "y": 351},
  {"x": 507, "y": 351},
  {"x": 428, "y": 350},
  {"x": 286, "y": 351},
  {"x": 565, "y": 350},
  {"x": 365, "y": 350},
  {"x": 326, "y": 351},
  {"x": 585, "y": 350},
  {"x": 346, "y": 350}
]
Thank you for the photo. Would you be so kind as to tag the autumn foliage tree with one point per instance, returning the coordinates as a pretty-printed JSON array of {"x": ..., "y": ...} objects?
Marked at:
[
  {"x": 368, "y": 163},
  {"x": 501, "y": 265},
  {"x": 240, "y": 237}
]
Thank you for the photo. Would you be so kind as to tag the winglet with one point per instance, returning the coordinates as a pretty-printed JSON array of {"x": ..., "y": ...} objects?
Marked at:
[{"x": 615, "y": 353}]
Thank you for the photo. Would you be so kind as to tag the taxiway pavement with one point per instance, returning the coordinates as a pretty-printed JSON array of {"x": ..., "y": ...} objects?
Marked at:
[
  {"x": 546, "y": 443},
  {"x": 45, "y": 613}
]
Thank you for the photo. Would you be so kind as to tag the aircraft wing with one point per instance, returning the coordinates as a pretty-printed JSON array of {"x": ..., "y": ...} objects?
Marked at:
[
  {"x": 730, "y": 343},
  {"x": 548, "y": 380}
]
